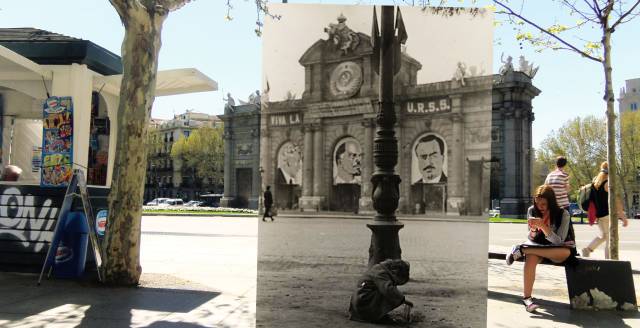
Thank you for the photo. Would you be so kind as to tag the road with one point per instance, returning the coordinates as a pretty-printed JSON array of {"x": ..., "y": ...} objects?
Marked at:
[
  {"x": 504, "y": 235},
  {"x": 308, "y": 269},
  {"x": 216, "y": 253}
]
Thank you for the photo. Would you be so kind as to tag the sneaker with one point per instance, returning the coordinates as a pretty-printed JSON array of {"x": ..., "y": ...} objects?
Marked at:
[
  {"x": 586, "y": 252},
  {"x": 529, "y": 305},
  {"x": 514, "y": 255}
]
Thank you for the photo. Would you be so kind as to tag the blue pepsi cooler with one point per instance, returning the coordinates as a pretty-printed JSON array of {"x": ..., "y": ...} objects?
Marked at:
[{"x": 71, "y": 253}]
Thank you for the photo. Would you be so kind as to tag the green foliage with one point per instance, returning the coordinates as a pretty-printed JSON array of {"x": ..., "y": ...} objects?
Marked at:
[
  {"x": 583, "y": 141},
  {"x": 203, "y": 151}
]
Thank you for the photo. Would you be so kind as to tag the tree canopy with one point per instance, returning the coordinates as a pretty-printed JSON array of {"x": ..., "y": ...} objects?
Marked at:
[{"x": 202, "y": 150}]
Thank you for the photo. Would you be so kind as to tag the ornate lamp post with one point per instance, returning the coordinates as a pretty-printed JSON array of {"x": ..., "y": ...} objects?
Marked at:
[{"x": 385, "y": 243}]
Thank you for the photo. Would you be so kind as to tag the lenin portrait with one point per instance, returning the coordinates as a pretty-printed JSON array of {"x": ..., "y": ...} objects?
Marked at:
[{"x": 347, "y": 162}]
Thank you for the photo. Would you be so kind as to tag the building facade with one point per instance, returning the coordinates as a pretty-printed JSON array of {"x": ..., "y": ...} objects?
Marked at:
[
  {"x": 170, "y": 178},
  {"x": 242, "y": 172},
  {"x": 461, "y": 142},
  {"x": 629, "y": 99}
]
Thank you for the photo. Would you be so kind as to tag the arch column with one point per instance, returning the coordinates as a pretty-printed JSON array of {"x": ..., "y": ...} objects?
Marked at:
[
  {"x": 365, "y": 203},
  {"x": 456, "y": 164},
  {"x": 306, "y": 201},
  {"x": 229, "y": 192},
  {"x": 318, "y": 199}
]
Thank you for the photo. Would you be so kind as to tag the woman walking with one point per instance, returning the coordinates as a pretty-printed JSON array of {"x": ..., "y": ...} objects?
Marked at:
[{"x": 600, "y": 196}]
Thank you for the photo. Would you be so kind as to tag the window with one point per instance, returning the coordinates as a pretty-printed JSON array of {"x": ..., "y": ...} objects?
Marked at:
[
  {"x": 634, "y": 107},
  {"x": 186, "y": 134}
]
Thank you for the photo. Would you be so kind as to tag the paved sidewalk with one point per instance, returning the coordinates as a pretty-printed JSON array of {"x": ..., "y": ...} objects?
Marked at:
[
  {"x": 504, "y": 308},
  {"x": 196, "y": 273},
  {"x": 369, "y": 216}
]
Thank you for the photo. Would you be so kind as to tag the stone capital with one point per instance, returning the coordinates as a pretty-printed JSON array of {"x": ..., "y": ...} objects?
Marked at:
[
  {"x": 456, "y": 117},
  {"x": 368, "y": 123}
]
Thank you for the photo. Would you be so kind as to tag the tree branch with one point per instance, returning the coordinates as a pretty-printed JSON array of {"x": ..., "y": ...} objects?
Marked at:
[
  {"x": 511, "y": 12},
  {"x": 121, "y": 8},
  {"x": 591, "y": 6},
  {"x": 171, "y": 5},
  {"x": 575, "y": 9},
  {"x": 614, "y": 25},
  {"x": 597, "y": 8}
]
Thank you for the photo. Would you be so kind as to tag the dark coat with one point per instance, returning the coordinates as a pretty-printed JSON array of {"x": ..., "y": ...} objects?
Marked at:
[
  {"x": 268, "y": 199},
  {"x": 377, "y": 294}
]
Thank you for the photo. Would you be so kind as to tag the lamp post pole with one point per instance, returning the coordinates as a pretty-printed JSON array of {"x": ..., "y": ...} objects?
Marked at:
[{"x": 385, "y": 243}]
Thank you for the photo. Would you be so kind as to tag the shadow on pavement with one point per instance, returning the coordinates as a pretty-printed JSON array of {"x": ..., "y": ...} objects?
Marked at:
[
  {"x": 561, "y": 313},
  {"x": 66, "y": 300}
]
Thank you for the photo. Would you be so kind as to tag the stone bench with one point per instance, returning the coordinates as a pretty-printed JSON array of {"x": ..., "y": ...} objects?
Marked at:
[{"x": 596, "y": 284}]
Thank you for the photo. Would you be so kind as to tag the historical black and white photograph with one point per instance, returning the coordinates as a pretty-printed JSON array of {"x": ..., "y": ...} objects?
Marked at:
[{"x": 383, "y": 130}]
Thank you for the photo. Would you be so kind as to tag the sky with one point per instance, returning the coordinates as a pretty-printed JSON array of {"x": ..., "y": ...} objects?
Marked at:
[
  {"x": 462, "y": 38},
  {"x": 230, "y": 53}
]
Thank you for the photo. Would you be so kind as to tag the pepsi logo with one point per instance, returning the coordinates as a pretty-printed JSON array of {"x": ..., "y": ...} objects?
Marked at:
[
  {"x": 63, "y": 254},
  {"x": 52, "y": 102},
  {"x": 101, "y": 222}
]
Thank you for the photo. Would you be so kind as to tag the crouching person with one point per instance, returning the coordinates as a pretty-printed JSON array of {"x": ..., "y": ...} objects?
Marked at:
[{"x": 377, "y": 293}]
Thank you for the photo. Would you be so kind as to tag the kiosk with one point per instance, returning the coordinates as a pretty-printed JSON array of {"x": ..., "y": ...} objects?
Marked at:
[{"x": 34, "y": 65}]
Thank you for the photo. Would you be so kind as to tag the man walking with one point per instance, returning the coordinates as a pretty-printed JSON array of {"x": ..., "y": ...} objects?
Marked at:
[
  {"x": 268, "y": 203},
  {"x": 559, "y": 182}
]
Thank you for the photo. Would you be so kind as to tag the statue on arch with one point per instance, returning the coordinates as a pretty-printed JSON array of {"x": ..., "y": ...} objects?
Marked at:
[
  {"x": 461, "y": 72},
  {"x": 507, "y": 66},
  {"x": 230, "y": 102},
  {"x": 527, "y": 68}
]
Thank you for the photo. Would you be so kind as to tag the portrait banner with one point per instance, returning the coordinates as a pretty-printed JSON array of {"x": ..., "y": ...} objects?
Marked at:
[
  {"x": 347, "y": 158},
  {"x": 429, "y": 160},
  {"x": 290, "y": 164}
]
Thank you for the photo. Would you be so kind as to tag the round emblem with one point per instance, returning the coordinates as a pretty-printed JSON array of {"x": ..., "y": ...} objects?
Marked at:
[
  {"x": 346, "y": 80},
  {"x": 101, "y": 222}
]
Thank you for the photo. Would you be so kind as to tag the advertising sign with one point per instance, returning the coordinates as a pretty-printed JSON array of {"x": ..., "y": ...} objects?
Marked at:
[{"x": 57, "y": 142}]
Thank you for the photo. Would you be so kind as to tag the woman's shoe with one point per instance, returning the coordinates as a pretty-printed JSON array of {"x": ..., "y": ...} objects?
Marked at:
[
  {"x": 529, "y": 305},
  {"x": 514, "y": 255}
]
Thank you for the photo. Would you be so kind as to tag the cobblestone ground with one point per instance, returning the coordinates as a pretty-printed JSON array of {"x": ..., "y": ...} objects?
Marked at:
[{"x": 308, "y": 268}]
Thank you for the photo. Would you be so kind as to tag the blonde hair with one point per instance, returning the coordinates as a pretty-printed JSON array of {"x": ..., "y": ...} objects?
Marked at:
[{"x": 599, "y": 180}]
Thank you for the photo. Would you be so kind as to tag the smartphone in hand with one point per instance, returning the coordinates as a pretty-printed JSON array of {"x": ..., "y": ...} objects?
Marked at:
[{"x": 531, "y": 220}]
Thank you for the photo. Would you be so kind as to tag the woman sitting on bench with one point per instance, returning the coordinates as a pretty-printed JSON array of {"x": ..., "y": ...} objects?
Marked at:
[{"x": 549, "y": 238}]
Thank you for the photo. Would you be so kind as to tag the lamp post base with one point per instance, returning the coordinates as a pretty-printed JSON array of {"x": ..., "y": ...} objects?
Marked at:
[{"x": 385, "y": 242}]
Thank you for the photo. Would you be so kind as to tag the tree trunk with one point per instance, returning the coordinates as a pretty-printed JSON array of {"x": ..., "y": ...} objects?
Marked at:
[
  {"x": 611, "y": 140},
  {"x": 140, "y": 65}
]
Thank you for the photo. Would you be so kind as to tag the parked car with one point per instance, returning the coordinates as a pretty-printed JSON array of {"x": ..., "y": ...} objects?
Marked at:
[
  {"x": 158, "y": 202},
  {"x": 575, "y": 210},
  {"x": 193, "y": 203},
  {"x": 175, "y": 202},
  {"x": 211, "y": 200},
  {"x": 495, "y": 212}
]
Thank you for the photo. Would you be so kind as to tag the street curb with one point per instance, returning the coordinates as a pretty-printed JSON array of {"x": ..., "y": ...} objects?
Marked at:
[
  {"x": 201, "y": 215},
  {"x": 326, "y": 217},
  {"x": 362, "y": 217}
]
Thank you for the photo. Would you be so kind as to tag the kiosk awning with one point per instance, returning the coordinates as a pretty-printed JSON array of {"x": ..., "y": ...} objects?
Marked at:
[
  {"x": 15, "y": 67},
  {"x": 170, "y": 82}
]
